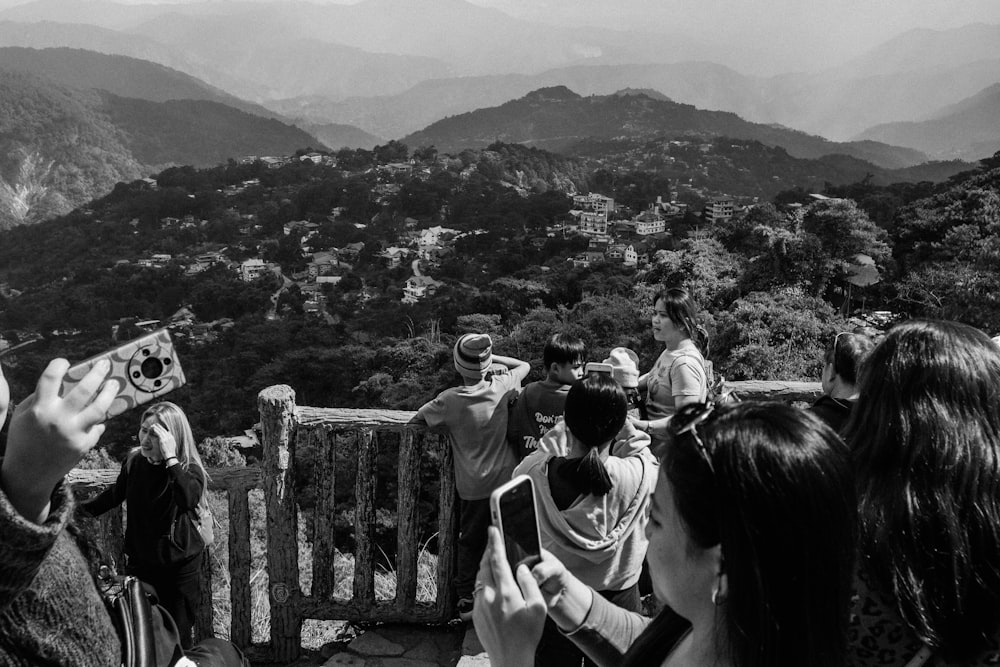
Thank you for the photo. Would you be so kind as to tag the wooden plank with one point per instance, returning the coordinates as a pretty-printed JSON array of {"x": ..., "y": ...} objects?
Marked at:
[
  {"x": 86, "y": 482},
  {"x": 776, "y": 390},
  {"x": 276, "y": 405},
  {"x": 407, "y": 538},
  {"x": 364, "y": 518},
  {"x": 240, "y": 623},
  {"x": 203, "y": 621},
  {"x": 324, "y": 543},
  {"x": 447, "y": 531},
  {"x": 385, "y": 611}
]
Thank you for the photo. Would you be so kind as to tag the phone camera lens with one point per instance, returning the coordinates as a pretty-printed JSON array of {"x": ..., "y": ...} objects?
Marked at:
[{"x": 151, "y": 367}]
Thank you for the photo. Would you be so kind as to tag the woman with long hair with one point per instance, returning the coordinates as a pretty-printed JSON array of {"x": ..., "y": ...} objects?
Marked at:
[
  {"x": 592, "y": 506},
  {"x": 925, "y": 436},
  {"x": 751, "y": 549},
  {"x": 162, "y": 481},
  {"x": 680, "y": 375}
]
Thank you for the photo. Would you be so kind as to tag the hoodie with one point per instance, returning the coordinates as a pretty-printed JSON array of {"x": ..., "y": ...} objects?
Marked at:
[{"x": 600, "y": 539}]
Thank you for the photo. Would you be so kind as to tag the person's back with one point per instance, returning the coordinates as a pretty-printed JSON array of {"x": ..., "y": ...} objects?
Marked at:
[
  {"x": 926, "y": 442},
  {"x": 475, "y": 415},
  {"x": 540, "y": 406}
]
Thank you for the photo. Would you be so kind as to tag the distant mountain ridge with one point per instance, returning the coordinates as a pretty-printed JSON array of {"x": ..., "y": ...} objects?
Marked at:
[
  {"x": 62, "y": 145},
  {"x": 966, "y": 131},
  {"x": 556, "y": 118}
]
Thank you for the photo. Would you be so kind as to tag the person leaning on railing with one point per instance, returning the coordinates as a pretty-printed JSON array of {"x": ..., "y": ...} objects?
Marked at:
[{"x": 751, "y": 547}]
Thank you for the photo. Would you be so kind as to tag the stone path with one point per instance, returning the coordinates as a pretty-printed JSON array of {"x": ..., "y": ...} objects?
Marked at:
[{"x": 393, "y": 645}]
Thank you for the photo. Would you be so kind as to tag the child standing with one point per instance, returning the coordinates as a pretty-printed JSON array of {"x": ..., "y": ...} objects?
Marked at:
[
  {"x": 476, "y": 417},
  {"x": 541, "y": 404}
]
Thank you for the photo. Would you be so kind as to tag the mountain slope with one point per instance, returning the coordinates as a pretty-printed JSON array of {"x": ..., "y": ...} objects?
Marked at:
[
  {"x": 56, "y": 149},
  {"x": 556, "y": 118},
  {"x": 968, "y": 130}
]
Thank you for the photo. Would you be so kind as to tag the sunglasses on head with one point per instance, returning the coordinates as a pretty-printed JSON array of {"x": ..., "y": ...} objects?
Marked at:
[{"x": 690, "y": 422}]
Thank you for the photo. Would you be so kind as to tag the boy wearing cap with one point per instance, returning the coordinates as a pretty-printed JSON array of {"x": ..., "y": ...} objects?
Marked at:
[
  {"x": 540, "y": 406},
  {"x": 475, "y": 414}
]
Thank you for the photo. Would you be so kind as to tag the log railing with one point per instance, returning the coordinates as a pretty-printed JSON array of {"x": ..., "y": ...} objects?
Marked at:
[{"x": 287, "y": 427}]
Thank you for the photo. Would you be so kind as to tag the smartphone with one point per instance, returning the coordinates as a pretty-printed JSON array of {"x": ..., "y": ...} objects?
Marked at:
[
  {"x": 598, "y": 367},
  {"x": 513, "y": 509},
  {"x": 145, "y": 368}
]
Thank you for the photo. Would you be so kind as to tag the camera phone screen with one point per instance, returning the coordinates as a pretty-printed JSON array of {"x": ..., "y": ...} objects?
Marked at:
[{"x": 520, "y": 532}]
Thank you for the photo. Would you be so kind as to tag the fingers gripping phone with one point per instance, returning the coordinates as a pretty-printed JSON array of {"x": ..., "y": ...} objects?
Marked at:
[
  {"x": 512, "y": 507},
  {"x": 145, "y": 368}
]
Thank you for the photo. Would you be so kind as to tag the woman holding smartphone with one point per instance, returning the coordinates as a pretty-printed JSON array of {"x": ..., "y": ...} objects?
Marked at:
[
  {"x": 162, "y": 481},
  {"x": 751, "y": 549}
]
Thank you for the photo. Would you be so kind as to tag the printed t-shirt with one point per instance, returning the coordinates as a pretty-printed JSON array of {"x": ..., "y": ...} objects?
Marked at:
[
  {"x": 539, "y": 407},
  {"x": 679, "y": 372},
  {"x": 476, "y": 417}
]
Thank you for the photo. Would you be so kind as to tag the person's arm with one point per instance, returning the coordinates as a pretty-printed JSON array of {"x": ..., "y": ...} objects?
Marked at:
[
  {"x": 519, "y": 369},
  {"x": 187, "y": 485},
  {"x": 688, "y": 381},
  {"x": 607, "y": 632},
  {"x": 630, "y": 441},
  {"x": 111, "y": 497}
]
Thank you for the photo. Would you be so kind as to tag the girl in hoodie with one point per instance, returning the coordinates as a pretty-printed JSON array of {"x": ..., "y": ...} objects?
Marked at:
[{"x": 593, "y": 505}]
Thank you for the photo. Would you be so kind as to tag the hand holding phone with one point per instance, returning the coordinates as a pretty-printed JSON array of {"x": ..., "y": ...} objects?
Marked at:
[
  {"x": 145, "y": 368},
  {"x": 512, "y": 507},
  {"x": 598, "y": 367}
]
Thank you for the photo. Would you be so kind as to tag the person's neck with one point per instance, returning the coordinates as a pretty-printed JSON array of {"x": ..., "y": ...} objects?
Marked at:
[
  {"x": 843, "y": 391},
  {"x": 703, "y": 646},
  {"x": 673, "y": 344},
  {"x": 469, "y": 382}
]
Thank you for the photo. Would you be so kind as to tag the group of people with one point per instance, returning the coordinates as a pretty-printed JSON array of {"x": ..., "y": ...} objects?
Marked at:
[
  {"x": 51, "y": 574},
  {"x": 862, "y": 531}
]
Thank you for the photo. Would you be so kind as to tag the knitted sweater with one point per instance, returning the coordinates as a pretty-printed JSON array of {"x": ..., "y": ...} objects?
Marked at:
[{"x": 50, "y": 610}]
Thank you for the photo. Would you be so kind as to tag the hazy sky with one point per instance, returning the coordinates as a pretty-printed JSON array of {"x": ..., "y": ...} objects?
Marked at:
[{"x": 767, "y": 35}]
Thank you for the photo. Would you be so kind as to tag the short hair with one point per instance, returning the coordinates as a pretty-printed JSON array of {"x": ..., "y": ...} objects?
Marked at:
[
  {"x": 926, "y": 440},
  {"x": 563, "y": 348},
  {"x": 683, "y": 312},
  {"x": 596, "y": 410},
  {"x": 847, "y": 351},
  {"x": 773, "y": 486}
]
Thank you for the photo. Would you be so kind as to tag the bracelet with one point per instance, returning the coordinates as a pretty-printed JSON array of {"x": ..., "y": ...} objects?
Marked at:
[{"x": 167, "y": 460}]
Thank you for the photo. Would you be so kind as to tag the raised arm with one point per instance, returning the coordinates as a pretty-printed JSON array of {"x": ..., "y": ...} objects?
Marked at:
[{"x": 519, "y": 369}]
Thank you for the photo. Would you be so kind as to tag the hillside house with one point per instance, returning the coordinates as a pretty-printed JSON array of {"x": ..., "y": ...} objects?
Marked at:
[
  {"x": 719, "y": 209},
  {"x": 650, "y": 222},
  {"x": 394, "y": 256},
  {"x": 252, "y": 268},
  {"x": 350, "y": 252},
  {"x": 591, "y": 223},
  {"x": 417, "y": 287},
  {"x": 594, "y": 203}
]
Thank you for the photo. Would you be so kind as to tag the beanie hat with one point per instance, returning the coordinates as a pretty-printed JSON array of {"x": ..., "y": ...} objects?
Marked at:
[
  {"x": 624, "y": 366},
  {"x": 473, "y": 355}
]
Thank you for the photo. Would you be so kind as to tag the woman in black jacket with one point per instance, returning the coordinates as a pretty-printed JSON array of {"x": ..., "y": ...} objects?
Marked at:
[{"x": 162, "y": 481}]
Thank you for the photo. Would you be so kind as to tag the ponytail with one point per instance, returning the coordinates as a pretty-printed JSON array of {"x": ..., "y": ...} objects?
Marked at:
[{"x": 588, "y": 475}]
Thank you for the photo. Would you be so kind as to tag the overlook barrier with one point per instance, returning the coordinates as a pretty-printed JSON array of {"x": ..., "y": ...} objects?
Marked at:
[{"x": 286, "y": 427}]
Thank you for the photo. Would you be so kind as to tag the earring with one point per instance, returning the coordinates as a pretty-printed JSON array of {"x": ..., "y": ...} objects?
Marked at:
[{"x": 718, "y": 597}]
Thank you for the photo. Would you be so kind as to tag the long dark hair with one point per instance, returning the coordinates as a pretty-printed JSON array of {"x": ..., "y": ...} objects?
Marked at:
[
  {"x": 772, "y": 486},
  {"x": 683, "y": 312},
  {"x": 596, "y": 409},
  {"x": 926, "y": 440}
]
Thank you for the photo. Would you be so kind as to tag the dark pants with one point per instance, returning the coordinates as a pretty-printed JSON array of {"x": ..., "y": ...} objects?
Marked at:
[
  {"x": 555, "y": 650},
  {"x": 473, "y": 520},
  {"x": 178, "y": 590}
]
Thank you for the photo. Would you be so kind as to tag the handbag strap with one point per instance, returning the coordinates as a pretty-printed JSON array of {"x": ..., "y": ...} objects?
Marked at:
[{"x": 921, "y": 657}]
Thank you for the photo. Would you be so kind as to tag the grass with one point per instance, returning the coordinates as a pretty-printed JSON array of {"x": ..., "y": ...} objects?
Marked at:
[{"x": 315, "y": 633}]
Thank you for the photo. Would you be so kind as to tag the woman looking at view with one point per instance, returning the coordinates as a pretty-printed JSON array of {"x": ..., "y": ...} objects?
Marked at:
[
  {"x": 161, "y": 481},
  {"x": 751, "y": 548},
  {"x": 679, "y": 375},
  {"x": 925, "y": 435}
]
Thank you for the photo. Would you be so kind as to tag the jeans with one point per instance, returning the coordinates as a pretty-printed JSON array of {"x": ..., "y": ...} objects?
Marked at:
[{"x": 474, "y": 519}]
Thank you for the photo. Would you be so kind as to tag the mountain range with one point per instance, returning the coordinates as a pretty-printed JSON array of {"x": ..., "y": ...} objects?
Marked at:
[
  {"x": 391, "y": 67},
  {"x": 557, "y": 118}
]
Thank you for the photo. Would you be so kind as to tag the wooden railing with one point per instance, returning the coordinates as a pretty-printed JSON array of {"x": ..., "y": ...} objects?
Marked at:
[{"x": 286, "y": 427}]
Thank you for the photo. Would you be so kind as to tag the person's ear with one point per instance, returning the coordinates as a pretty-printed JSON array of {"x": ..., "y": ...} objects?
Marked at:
[{"x": 720, "y": 588}]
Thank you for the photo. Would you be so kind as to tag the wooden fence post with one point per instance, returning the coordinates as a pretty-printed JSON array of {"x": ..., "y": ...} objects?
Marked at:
[{"x": 277, "y": 421}]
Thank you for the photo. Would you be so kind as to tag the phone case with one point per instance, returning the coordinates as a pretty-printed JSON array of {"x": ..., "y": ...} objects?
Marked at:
[
  {"x": 145, "y": 368},
  {"x": 526, "y": 526}
]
